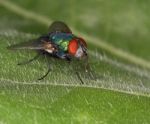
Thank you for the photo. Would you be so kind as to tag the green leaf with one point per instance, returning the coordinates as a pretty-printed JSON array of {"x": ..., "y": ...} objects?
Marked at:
[{"x": 117, "y": 91}]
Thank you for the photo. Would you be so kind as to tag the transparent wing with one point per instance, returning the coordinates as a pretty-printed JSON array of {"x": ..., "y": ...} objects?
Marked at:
[
  {"x": 59, "y": 26},
  {"x": 32, "y": 45}
]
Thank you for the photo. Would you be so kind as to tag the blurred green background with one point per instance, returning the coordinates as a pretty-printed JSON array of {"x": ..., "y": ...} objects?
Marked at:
[{"x": 117, "y": 33}]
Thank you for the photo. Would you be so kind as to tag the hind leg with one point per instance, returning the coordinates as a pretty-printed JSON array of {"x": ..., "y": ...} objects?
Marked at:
[
  {"x": 49, "y": 69},
  {"x": 29, "y": 61}
]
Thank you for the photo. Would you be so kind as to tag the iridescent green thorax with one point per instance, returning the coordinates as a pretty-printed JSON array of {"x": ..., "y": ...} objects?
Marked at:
[{"x": 62, "y": 40}]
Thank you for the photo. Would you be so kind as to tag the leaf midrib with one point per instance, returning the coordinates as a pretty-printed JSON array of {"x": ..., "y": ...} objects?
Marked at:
[{"x": 74, "y": 86}]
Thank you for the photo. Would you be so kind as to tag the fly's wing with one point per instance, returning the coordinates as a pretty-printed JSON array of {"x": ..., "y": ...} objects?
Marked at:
[
  {"x": 42, "y": 43},
  {"x": 31, "y": 45},
  {"x": 59, "y": 26}
]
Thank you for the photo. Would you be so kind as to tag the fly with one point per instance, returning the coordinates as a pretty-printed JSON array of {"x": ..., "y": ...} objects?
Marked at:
[{"x": 59, "y": 43}]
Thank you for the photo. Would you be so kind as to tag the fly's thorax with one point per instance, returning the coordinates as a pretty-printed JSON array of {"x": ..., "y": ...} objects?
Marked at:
[
  {"x": 61, "y": 40},
  {"x": 58, "y": 36}
]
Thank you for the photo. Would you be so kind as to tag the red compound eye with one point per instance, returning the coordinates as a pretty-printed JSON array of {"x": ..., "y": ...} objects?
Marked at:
[{"x": 73, "y": 46}]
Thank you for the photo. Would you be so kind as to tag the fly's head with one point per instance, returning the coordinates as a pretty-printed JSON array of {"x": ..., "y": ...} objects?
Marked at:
[{"x": 78, "y": 48}]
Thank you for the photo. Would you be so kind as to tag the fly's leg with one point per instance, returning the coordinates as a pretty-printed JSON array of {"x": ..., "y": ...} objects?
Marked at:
[
  {"x": 29, "y": 61},
  {"x": 48, "y": 71},
  {"x": 68, "y": 59},
  {"x": 78, "y": 75},
  {"x": 79, "y": 78}
]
